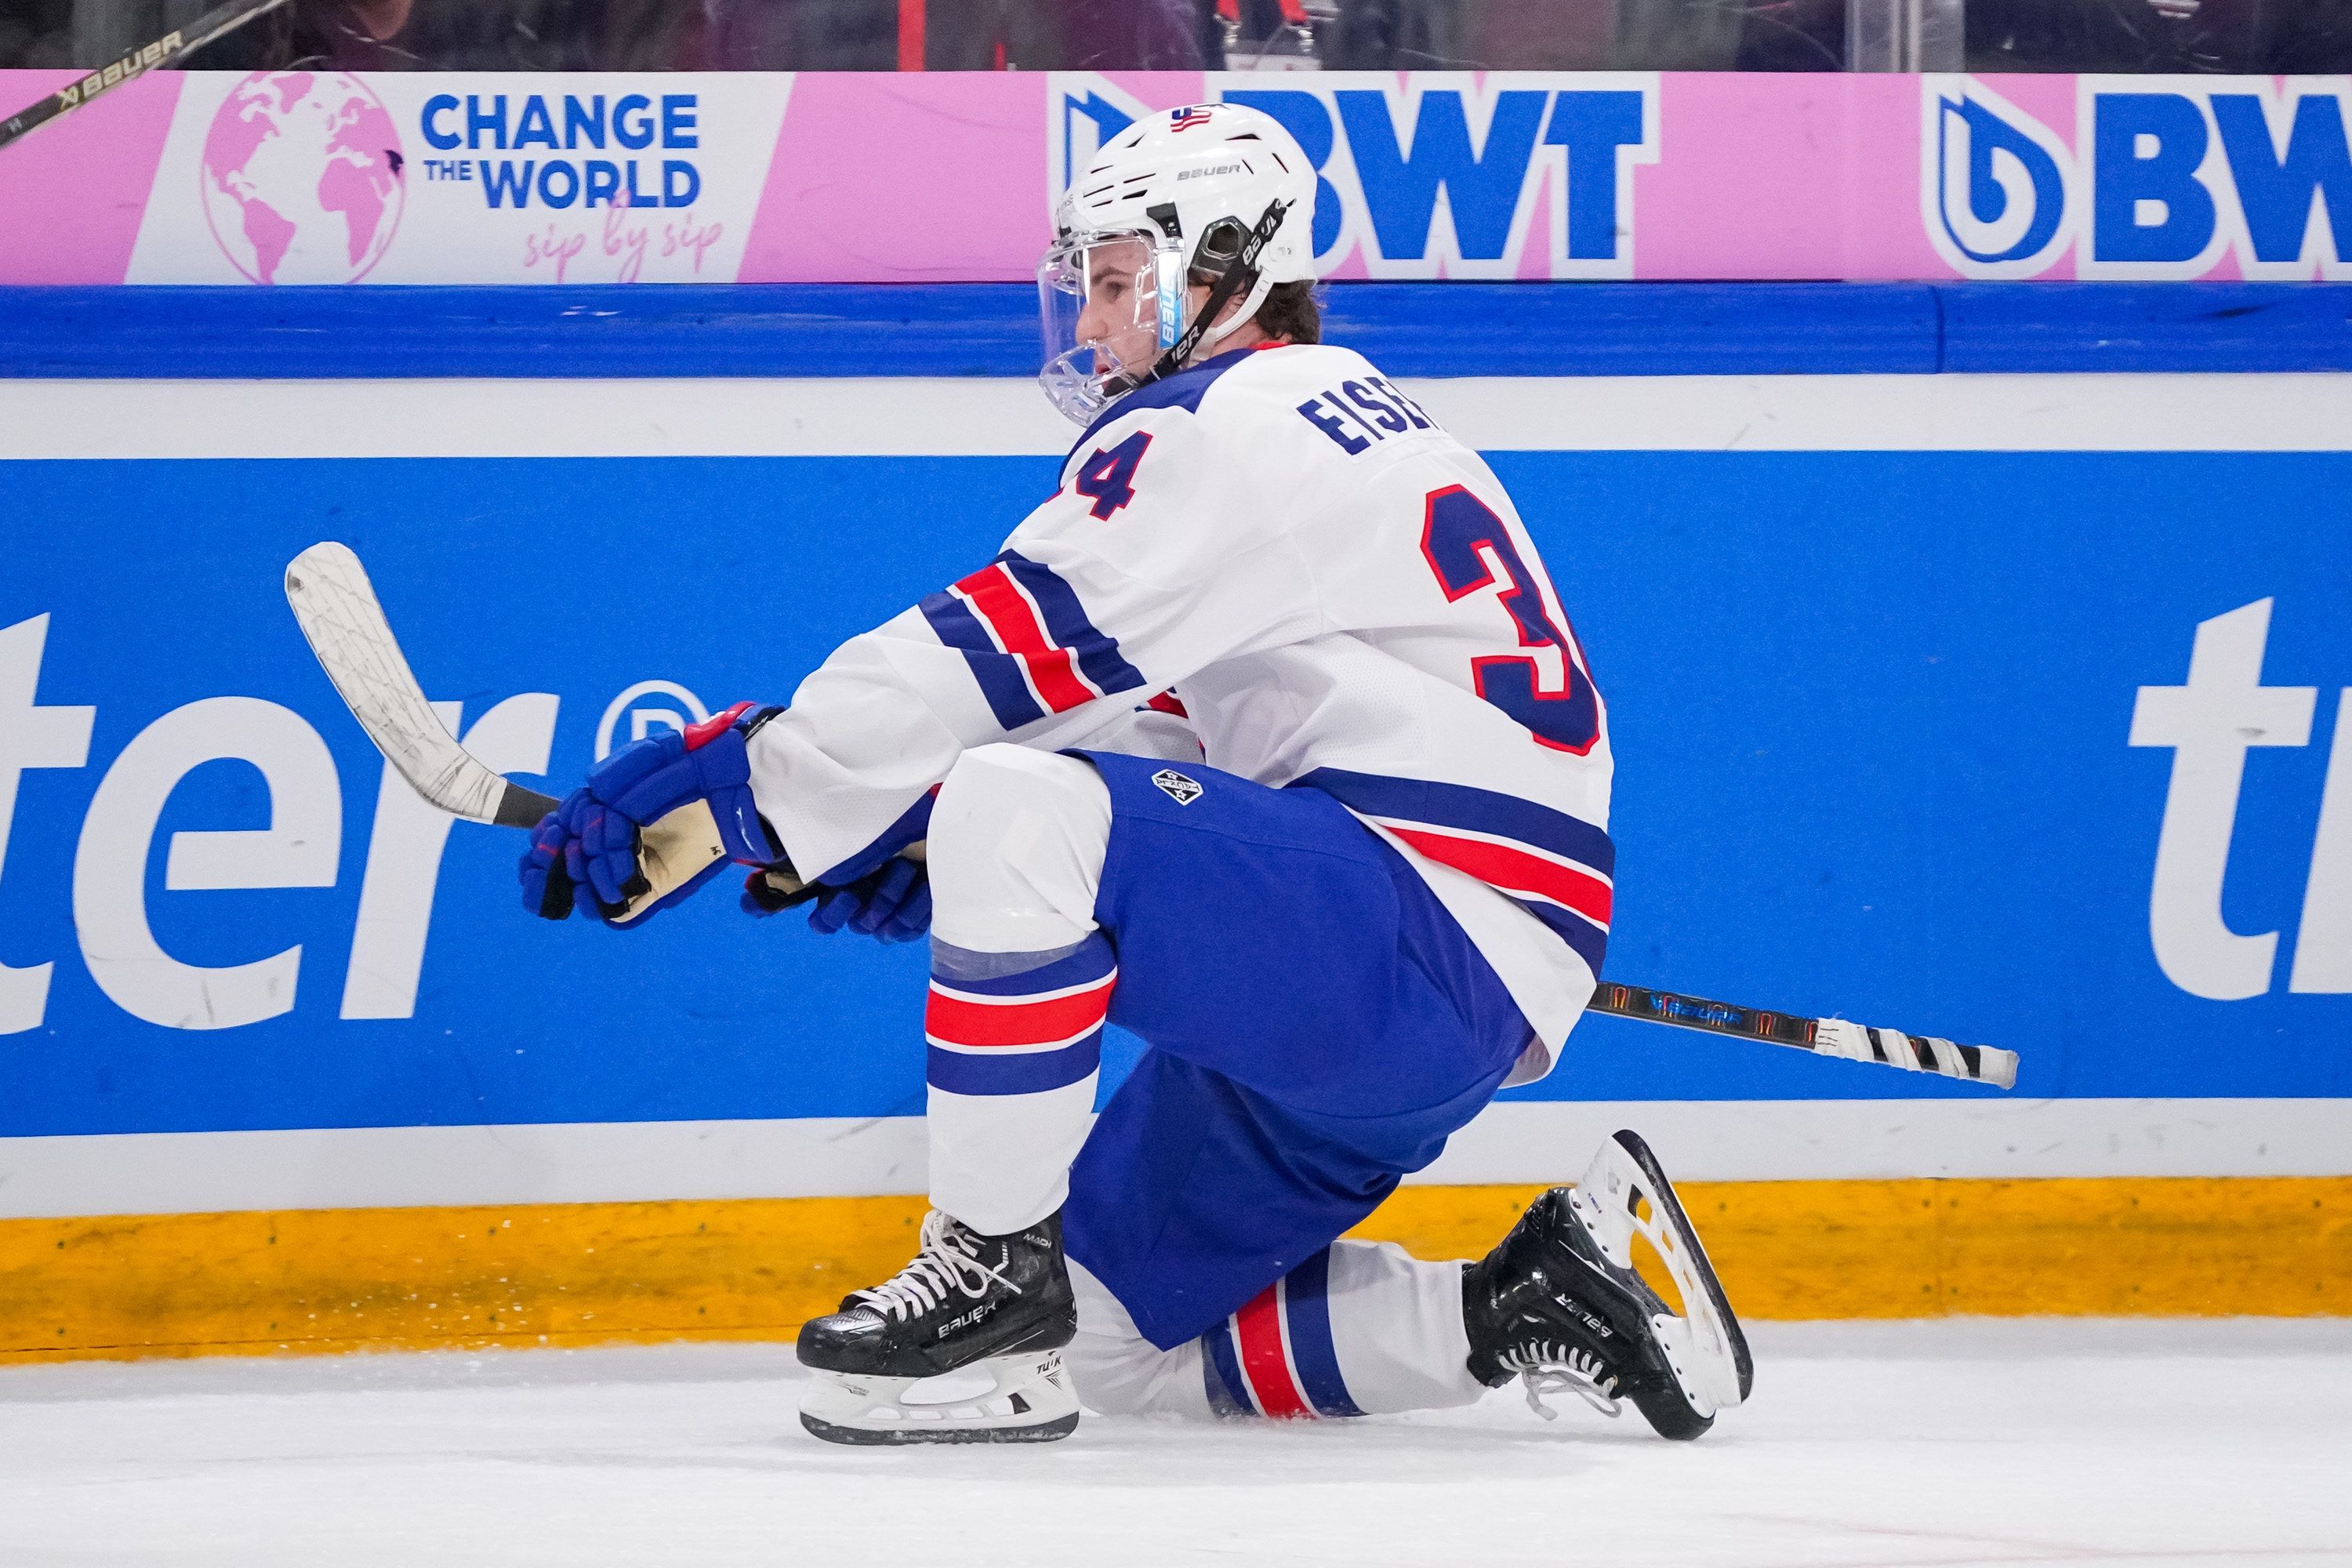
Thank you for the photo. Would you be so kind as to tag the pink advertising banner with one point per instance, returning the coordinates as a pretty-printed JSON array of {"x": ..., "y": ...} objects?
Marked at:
[{"x": 302, "y": 177}]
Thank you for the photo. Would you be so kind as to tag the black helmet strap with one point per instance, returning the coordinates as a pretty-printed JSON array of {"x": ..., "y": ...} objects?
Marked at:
[{"x": 1239, "y": 274}]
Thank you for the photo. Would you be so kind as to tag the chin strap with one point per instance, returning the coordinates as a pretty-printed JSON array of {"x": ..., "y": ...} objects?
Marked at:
[{"x": 1238, "y": 274}]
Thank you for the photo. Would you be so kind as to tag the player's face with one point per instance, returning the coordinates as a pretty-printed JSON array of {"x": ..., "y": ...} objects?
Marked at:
[{"x": 1121, "y": 317}]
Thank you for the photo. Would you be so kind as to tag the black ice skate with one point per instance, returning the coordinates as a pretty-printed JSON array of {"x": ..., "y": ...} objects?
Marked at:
[
  {"x": 994, "y": 1311},
  {"x": 1559, "y": 1305}
]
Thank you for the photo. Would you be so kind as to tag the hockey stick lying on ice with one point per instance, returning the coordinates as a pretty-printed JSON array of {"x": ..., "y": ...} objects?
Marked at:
[
  {"x": 1822, "y": 1036},
  {"x": 337, "y": 608},
  {"x": 162, "y": 55}
]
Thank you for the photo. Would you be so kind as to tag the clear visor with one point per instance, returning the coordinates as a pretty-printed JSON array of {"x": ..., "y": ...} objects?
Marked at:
[{"x": 1110, "y": 305}]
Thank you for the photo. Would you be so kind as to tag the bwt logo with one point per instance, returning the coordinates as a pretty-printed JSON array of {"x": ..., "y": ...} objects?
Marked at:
[
  {"x": 2158, "y": 185},
  {"x": 1443, "y": 176},
  {"x": 300, "y": 846},
  {"x": 1995, "y": 179},
  {"x": 2210, "y": 723}
]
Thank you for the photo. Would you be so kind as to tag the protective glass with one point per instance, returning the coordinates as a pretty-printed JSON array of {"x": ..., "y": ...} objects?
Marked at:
[{"x": 1110, "y": 304}]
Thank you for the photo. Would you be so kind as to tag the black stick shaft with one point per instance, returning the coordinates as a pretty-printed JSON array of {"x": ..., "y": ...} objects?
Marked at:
[
  {"x": 162, "y": 55},
  {"x": 521, "y": 807},
  {"x": 1825, "y": 1036}
]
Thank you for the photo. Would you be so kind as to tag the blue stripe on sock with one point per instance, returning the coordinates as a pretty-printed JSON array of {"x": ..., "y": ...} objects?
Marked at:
[
  {"x": 1013, "y": 1072},
  {"x": 1221, "y": 1371},
  {"x": 1307, "y": 1310},
  {"x": 999, "y": 674}
]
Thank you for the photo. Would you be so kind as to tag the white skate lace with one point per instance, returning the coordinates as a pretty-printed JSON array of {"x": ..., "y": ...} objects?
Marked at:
[
  {"x": 945, "y": 1263},
  {"x": 1549, "y": 1368}
]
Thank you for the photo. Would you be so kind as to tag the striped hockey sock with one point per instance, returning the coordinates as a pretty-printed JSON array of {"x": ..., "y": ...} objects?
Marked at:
[
  {"x": 1274, "y": 1357},
  {"x": 1015, "y": 1040},
  {"x": 1360, "y": 1328}
]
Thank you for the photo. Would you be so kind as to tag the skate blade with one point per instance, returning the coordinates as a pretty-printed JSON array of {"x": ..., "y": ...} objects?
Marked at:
[
  {"x": 1029, "y": 1400},
  {"x": 1624, "y": 1194},
  {"x": 907, "y": 1435}
]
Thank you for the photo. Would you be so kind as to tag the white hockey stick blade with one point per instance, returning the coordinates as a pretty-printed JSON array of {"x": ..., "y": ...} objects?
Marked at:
[{"x": 337, "y": 609}]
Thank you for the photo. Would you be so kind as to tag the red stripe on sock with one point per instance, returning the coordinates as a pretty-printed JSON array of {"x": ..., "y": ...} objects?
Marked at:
[
  {"x": 1258, "y": 1330},
  {"x": 963, "y": 1023}
]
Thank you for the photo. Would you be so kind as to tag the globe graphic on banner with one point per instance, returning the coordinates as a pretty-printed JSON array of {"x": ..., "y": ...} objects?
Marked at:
[{"x": 302, "y": 177}]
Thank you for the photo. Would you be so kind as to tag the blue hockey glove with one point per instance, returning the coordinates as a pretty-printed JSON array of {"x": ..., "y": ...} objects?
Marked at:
[
  {"x": 548, "y": 882},
  {"x": 593, "y": 839},
  {"x": 892, "y": 904}
]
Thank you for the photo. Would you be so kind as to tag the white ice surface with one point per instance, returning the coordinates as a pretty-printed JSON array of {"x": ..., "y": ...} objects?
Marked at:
[{"x": 1948, "y": 1444}]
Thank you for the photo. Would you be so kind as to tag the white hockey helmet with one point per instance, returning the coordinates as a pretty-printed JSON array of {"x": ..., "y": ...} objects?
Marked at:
[{"x": 1212, "y": 193}]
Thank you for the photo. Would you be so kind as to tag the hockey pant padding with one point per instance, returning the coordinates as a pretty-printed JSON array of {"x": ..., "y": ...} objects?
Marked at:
[
  {"x": 1317, "y": 1024},
  {"x": 1359, "y": 1329},
  {"x": 1020, "y": 981}
]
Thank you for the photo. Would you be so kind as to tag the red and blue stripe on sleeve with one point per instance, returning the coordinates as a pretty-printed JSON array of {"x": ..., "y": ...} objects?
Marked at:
[{"x": 1028, "y": 640}]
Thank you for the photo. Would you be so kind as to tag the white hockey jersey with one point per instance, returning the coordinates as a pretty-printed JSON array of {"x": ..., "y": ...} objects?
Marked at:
[{"x": 1340, "y": 595}]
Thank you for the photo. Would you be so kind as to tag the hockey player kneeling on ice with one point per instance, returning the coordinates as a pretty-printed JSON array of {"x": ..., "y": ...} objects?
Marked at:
[{"x": 1265, "y": 738}]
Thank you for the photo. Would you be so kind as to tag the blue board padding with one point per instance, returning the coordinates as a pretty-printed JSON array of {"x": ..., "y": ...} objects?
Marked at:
[
  {"x": 1870, "y": 724},
  {"x": 990, "y": 330},
  {"x": 2157, "y": 327},
  {"x": 771, "y": 330}
]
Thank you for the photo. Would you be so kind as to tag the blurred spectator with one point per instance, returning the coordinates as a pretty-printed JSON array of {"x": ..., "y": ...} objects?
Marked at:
[
  {"x": 1061, "y": 34},
  {"x": 1544, "y": 35},
  {"x": 2237, "y": 36},
  {"x": 412, "y": 35},
  {"x": 1793, "y": 35},
  {"x": 789, "y": 34},
  {"x": 2230, "y": 36},
  {"x": 35, "y": 33},
  {"x": 1584, "y": 35},
  {"x": 1399, "y": 35}
]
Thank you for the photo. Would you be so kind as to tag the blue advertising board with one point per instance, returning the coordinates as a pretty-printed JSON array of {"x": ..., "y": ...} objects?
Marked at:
[{"x": 1884, "y": 737}]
